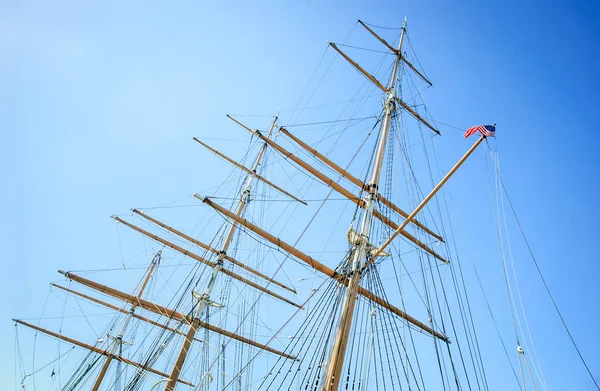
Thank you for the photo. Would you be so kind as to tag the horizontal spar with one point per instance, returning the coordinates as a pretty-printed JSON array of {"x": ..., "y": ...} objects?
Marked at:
[
  {"x": 383, "y": 41},
  {"x": 114, "y": 307},
  {"x": 164, "y": 311},
  {"x": 251, "y": 172},
  {"x": 381, "y": 87},
  {"x": 395, "y": 51},
  {"x": 411, "y": 66},
  {"x": 318, "y": 265},
  {"x": 429, "y": 197},
  {"x": 211, "y": 249},
  {"x": 359, "y": 68},
  {"x": 334, "y": 185},
  {"x": 205, "y": 261},
  {"x": 416, "y": 241},
  {"x": 355, "y": 181},
  {"x": 416, "y": 115},
  {"x": 99, "y": 351}
]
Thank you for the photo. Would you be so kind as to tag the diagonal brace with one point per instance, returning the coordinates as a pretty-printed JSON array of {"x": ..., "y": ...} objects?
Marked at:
[{"x": 425, "y": 201}]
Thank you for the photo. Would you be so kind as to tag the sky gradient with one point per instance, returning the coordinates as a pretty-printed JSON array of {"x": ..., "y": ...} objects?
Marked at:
[{"x": 99, "y": 102}]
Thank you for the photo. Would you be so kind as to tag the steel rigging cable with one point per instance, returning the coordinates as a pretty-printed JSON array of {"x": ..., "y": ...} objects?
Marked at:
[{"x": 545, "y": 284}]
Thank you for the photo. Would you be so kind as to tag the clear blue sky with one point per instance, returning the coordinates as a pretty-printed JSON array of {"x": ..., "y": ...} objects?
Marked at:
[{"x": 98, "y": 104}]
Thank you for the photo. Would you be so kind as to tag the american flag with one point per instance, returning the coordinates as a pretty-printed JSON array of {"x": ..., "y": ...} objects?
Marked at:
[{"x": 486, "y": 130}]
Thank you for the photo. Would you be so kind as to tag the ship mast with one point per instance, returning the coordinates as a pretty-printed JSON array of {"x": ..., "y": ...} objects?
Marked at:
[
  {"x": 204, "y": 299},
  {"x": 362, "y": 246},
  {"x": 117, "y": 346}
]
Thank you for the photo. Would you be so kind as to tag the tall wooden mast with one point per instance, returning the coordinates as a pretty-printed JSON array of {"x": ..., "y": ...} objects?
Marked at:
[
  {"x": 359, "y": 257},
  {"x": 117, "y": 345},
  {"x": 204, "y": 298}
]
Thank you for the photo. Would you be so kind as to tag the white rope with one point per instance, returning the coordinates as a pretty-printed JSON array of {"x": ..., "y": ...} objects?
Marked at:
[
  {"x": 496, "y": 212},
  {"x": 536, "y": 366}
]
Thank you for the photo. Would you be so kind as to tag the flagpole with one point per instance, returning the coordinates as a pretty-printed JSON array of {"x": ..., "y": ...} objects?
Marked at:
[{"x": 426, "y": 200}]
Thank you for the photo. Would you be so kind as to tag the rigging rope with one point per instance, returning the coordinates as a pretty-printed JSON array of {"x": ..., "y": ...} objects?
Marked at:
[
  {"x": 547, "y": 288},
  {"x": 463, "y": 302},
  {"x": 516, "y": 282},
  {"x": 496, "y": 325},
  {"x": 497, "y": 220}
]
